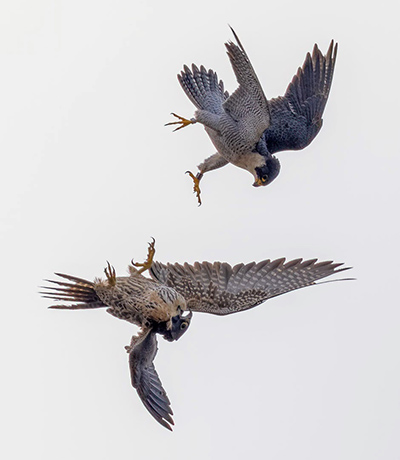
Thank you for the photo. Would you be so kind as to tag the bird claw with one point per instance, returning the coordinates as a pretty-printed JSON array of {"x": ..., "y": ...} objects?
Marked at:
[
  {"x": 183, "y": 122},
  {"x": 146, "y": 265},
  {"x": 196, "y": 186},
  {"x": 110, "y": 274}
]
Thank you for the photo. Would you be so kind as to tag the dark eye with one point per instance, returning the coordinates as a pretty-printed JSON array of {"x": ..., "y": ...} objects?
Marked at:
[
  {"x": 264, "y": 178},
  {"x": 184, "y": 325}
]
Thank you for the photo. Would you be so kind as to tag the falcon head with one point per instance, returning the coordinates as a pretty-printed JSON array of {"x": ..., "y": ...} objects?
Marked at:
[
  {"x": 264, "y": 175},
  {"x": 176, "y": 327},
  {"x": 180, "y": 325}
]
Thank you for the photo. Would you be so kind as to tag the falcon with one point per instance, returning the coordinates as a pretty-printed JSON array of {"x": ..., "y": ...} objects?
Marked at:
[
  {"x": 164, "y": 304},
  {"x": 246, "y": 128}
]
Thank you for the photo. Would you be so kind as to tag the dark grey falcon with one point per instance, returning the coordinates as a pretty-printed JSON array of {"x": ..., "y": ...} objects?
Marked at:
[
  {"x": 245, "y": 127},
  {"x": 158, "y": 305}
]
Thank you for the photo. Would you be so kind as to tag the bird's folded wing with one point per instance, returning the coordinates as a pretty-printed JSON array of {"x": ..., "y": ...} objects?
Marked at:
[
  {"x": 221, "y": 289},
  {"x": 307, "y": 93},
  {"x": 248, "y": 103},
  {"x": 146, "y": 381}
]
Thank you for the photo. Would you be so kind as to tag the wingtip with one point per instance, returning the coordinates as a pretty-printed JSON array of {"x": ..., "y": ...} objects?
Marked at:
[
  {"x": 236, "y": 37},
  {"x": 317, "y": 283},
  {"x": 335, "y": 49},
  {"x": 332, "y": 50}
]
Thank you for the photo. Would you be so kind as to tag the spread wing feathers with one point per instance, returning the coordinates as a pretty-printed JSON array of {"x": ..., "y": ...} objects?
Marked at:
[
  {"x": 248, "y": 101},
  {"x": 221, "y": 289},
  {"x": 308, "y": 92},
  {"x": 203, "y": 88},
  {"x": 79, "y": 290},
  {"x": 146, "y": 381}
]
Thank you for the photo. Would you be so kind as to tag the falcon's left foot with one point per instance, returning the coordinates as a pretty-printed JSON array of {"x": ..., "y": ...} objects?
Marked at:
[
  {"x": 146, "y": 265},
  {"x": 110, "y": 274},
  {"x": 196, "y": 186},
  {"x": 183, "y": 122}
]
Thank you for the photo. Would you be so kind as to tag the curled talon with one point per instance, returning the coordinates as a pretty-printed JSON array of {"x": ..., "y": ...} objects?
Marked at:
[
  {"x": 183, "y": 122},
  {"x": 146, "y": 265},
  {"x": 196, "y": 186},
  {"x": 110, "y": 274}
]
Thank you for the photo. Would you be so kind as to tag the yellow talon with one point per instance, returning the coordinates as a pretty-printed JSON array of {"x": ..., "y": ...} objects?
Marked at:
[
  {"x": 183, "y": 122},
  {"x": 146, "y": 265},
  {"x": 196, "y": 185}
]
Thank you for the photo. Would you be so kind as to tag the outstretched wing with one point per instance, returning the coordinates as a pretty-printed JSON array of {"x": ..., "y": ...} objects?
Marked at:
[
  {"x": 146, "y": 381},
  {"x": 296, "y": 118},
  {"x": 248, "y": 103},
  {"x": 221, "y": 289}
]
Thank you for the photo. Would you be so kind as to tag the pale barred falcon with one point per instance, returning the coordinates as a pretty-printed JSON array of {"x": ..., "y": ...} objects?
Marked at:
[
  {"x": 157, "y": 305},
  {"x": 245, "y": 127}
]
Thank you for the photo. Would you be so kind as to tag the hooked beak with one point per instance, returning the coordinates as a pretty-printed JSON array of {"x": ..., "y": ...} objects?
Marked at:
[
  {"x": 257, "y": 183},
  {"x": 180, "y": 325}
]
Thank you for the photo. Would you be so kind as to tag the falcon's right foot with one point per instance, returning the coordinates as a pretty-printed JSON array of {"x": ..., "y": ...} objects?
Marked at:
[
  {"x": 196, "y": 186},
  {"x": 183, "y": 122},
  {"x": 146, "y": 265}
]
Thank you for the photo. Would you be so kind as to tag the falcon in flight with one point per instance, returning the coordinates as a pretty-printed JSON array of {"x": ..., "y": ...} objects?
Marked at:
[
  {"x": 245, "y": 127},
  {"x": 158, "y": 304}
]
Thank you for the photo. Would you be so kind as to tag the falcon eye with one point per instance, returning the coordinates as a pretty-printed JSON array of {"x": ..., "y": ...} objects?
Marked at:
[
  {"x": 264, "y": 178},
  {"x": 184, "y": 325}
]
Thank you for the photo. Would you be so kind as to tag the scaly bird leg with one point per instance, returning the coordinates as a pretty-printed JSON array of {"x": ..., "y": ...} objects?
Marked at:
[
  {"x": 183, "y": 122},
  {"x": 110, "y": 274},
  {"x": 146, "y": 265},
  {"x": 196, "y": 186}
]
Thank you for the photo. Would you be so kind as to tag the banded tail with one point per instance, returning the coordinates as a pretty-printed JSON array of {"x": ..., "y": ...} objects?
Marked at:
[
  {"x": 79, "y": 291},
  {"x": 203, "y": 88}
]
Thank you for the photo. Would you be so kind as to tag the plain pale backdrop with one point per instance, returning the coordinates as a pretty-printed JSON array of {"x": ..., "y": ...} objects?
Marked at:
[{"x": 89, "y": 173}]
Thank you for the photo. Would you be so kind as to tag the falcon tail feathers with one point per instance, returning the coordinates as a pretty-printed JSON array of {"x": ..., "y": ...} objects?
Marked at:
[
  {"x": 203, "y": 88},
  {"x": 79, "y": 291}
]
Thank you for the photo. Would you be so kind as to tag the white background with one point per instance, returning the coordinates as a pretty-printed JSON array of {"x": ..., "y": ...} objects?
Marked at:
[{"x": 89, "y": 173}]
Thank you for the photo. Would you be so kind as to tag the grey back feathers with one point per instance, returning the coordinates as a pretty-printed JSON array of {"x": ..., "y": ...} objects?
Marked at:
[
  {"x": 248, "y": 103},
  {"x": 235, "y": 123}
]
